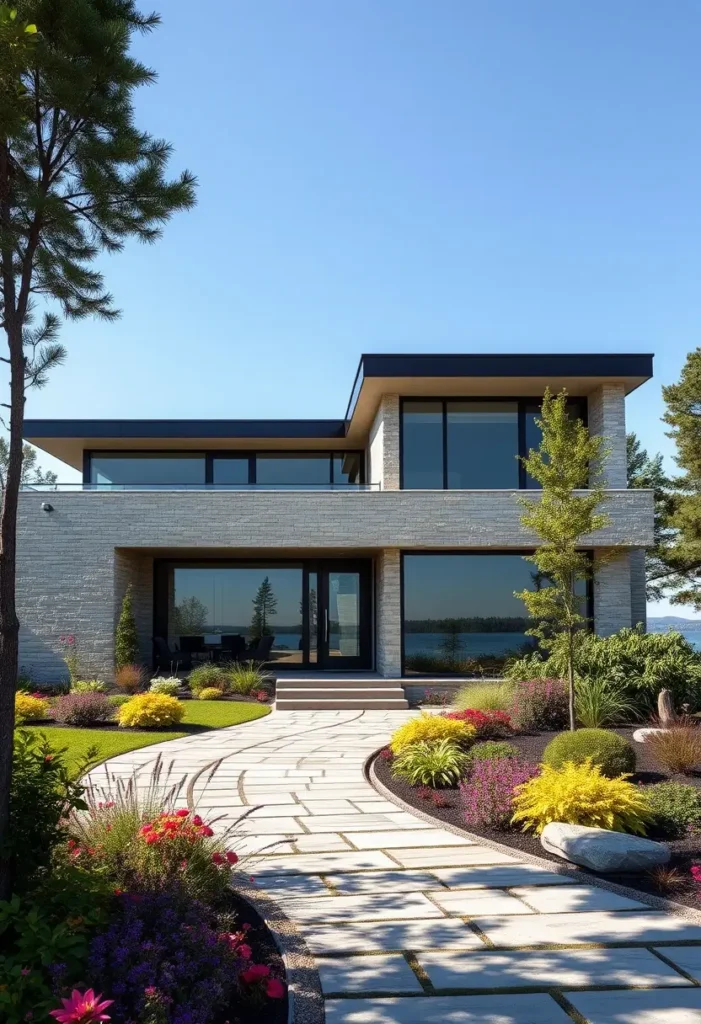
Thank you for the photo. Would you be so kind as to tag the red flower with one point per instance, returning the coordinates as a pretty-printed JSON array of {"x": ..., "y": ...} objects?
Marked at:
[
  {"x": 182, "y": 813},
  {"x": 254, "y": 973},
  {"x": 197, "y": 820},
  {"x": 118, "y": 892},
  {"x": 145, "y": 829},
  {"x": 206, "y": 831},
  {"x": 232, "y": 857},
  {"x": 49, "y": 757},
  {"x": 217, "y": 858},
  {"x": 275, "y": 989},
  {"x": 152, "y": 838}
]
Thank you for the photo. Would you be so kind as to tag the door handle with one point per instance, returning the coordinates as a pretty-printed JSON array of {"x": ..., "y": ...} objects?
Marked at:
[{"x": 326, "y": 625}]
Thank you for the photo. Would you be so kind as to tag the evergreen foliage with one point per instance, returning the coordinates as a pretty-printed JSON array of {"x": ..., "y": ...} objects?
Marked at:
[
  {"x": 126, "y": 640},
  {"x": 264, "y": 607},
  {"x": 568, "y": 460}
]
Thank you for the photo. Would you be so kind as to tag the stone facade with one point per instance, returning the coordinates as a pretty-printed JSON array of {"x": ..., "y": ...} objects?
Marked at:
[
  {"x": 638, "y": 603},
  {"x": 75, "y": 562}
]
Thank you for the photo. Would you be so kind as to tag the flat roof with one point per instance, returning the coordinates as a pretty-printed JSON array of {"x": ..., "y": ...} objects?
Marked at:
[{"x": 468, "y": 374}]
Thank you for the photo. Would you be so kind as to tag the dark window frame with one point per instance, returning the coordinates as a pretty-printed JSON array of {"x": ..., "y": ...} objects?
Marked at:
[
  {"x": 408, "y": 552},
  {"x": 210, "y": 455},
  {"x": 520, "y": 401}
]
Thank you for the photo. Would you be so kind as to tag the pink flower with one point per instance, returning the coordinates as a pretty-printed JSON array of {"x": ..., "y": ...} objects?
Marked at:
[
  {"x": 275, "y": 989},
  {"x": 232, "y": 857},
  {"x": 206, "y": 831},
  {"x": 25, "y": 971},
  {"x": 197, "y": 820},
  {"x": 150, "y": 991},
  {"x": 245, "y": 951},
  {"x": 254, "y": 973},
  {"x": 82, "y": 1008},
  {"x": 182, "y": 813},
  {"x": 151, "y": 838}
]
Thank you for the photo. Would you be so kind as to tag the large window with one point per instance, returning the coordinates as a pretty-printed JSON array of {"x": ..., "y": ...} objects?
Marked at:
[
  {"x": 215, "y": 611},
  {"x": 460, "y": 613},
  {"x": 273, "y": 470},
  {"x": 470, "y": 444},
  {"x": 147, "y": 470}
]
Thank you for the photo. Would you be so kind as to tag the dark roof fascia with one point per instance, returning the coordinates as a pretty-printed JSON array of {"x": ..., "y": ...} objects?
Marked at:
[
  {"x": 601, "y": 364},
  {"x": 268, "y": 429}
]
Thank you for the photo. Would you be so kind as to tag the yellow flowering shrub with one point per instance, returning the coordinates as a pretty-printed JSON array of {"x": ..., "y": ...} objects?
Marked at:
[
  {"x": 432, "y": 727},
  {"x": 211, "y": 693},
  {"x": 578, "y": 794},
  {"x": 149, "y": 710},
  {"x": 30, "y": 709}
]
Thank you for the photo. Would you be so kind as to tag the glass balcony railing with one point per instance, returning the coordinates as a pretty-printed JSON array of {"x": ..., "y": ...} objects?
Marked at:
[{"x": 102, "y": 487}]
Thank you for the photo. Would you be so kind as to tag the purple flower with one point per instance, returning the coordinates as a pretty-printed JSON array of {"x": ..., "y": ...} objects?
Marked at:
[
  {"x": 540, "y": 704},
  {"x": 486, "y": 798}
]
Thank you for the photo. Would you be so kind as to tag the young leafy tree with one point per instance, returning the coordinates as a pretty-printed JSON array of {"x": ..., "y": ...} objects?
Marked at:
[
  {"x": 682, "y": 558},
  {"x": 126, "y": 637},
  {"x": 645, "y": 471},
  {"x": 264, "y": 606},
  {"x": 568, "y": 461},
  {"x": 77, "y": 179}
]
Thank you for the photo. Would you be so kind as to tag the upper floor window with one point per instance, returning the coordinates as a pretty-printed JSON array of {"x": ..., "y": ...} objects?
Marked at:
[
  {"x": 470, "y": 444},
  {"x": 322, "y": 470}
]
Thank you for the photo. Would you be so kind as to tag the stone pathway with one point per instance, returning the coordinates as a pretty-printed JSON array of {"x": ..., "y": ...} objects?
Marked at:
[{"x": 409, "y": 923}]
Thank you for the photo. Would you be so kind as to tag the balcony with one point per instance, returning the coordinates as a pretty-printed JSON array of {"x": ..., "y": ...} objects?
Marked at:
[{"x": 102, "y": 487}]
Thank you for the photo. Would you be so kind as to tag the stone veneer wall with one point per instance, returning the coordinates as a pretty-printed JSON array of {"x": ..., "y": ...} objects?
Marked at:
[
  {"x": 612, "y": 592},
  {"x": 388, "y": 616},
  {"x": 383, "y": 446},
  {"x": 607, "y": 418},
  {"x": 137, "y": 569},
  {"x": 638, "y": 599}
]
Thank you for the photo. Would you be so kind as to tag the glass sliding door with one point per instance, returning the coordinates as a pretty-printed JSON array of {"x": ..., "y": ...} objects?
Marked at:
[{"x": 343, "y": 629}]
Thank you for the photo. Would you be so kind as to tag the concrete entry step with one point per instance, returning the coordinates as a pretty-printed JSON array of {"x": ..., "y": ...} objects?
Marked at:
[
  {"x": 341, "y": 683},
  {"x": 317, "y": 703},
  {"x": 341, "y": 691}
]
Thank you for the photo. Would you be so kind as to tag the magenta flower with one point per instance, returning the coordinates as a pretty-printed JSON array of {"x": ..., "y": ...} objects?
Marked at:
[{"x": 82, "y": 1008}]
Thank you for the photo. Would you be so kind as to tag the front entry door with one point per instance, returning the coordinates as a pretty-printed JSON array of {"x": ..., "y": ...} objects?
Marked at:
[{"x": 339, "y": 615}]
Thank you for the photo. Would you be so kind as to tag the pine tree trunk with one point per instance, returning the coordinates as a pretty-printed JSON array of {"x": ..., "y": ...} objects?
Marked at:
[
  {"x": 9, "y": 624},
  {"x": 570, "y": 675}
]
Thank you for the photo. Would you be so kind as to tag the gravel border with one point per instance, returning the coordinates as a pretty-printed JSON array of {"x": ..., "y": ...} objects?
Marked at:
[
  {"x": 305, "y": 1002},
  {"x": 656, "y": 902}
]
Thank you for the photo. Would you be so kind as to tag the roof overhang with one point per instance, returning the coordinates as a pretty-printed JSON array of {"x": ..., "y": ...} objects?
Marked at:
[{"x": 406, "y": 375}]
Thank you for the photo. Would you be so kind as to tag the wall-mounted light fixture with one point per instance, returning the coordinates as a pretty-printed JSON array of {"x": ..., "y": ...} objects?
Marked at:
[{"x": 45, "y": 507}]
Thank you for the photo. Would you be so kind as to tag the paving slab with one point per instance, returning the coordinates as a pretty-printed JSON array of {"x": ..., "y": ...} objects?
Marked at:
[
  {"x": 573, "y": 899},
  {"x": 464, "y": 856},
  {"x": 523, "y": 1009},
  {"x": 378, "y": 907},
  {"x": 573, "y": 929},
  {"x": 324, "y": 863},
  {"x": 400, "y": 838},
  {"x": 564, "y": 968},
  {"x": 499, "y": 876},
  {"x": 655, "y": 1006},
  {"x": 478, "y": 902},
  {"x": 367, "y": 936},
  {"x": 385, "y": 881},
  {"x": 686, "y": 957},
  {"x": 391, "y": 974}
]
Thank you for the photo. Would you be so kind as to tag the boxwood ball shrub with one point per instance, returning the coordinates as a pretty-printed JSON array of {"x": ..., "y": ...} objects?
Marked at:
[
  {"x": 210, "y": 693},
  {"x": 431, "y": 727},
  {"x": 150, "y": 710},
  {"x": 83, "y": 709},
  {"x": 431, "y": 763},
  {"x": 29, "y": 708},
  {"x": 170, "y": 685},
  {"x": 208, "y": 675},
  {"x": 614, "y": 755},
  {"x": 579, "y": 794},
  {"x": 492, "y": 750},
  {"x": 676, "y": 808}
]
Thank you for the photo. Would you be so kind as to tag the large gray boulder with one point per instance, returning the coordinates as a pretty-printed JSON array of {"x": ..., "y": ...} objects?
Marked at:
[{"x": 601, "y": 850}]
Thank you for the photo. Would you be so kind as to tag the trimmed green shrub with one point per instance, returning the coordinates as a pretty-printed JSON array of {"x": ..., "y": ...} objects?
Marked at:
[
  {"x": 126, "y": 638},
  {"x": 493, "y": 750},
  {"x": 484, "y": 697},
  {"x": 611, "y": 752},
  {"x": 117, "y": 699},
  {"x": 637, "y": 664},
  {"x": 676, "y": 807},
  {"x": 427, "y": 763},
  {"x": 208, "y": 675}
]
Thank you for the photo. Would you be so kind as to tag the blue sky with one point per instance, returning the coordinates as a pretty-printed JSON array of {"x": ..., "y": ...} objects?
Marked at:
[{"x": 404, "y": 176}]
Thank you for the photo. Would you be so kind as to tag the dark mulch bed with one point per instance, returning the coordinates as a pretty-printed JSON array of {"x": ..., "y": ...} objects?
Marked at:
[
  {"x": 685, "y": 851},
  {"x": 274, "y": 1011}
]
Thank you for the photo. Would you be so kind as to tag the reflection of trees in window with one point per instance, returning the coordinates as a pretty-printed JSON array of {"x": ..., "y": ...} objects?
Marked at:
[
  {"x": 452, "y": 646},
  {"x": 189, "y": 617},
  {"x": 264, "y": 607}
]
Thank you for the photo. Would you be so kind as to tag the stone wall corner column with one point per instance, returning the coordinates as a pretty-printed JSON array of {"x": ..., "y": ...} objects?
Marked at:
[
  {"x": 638, "y": 599},
  {"x": 612, "y": 592},
  {"x": 388, "y": 654},
  {"x": 607, "y": 419}
]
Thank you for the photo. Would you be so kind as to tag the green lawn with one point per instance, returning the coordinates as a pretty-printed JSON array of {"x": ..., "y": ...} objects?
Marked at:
[{"x": 200, "y": 716}]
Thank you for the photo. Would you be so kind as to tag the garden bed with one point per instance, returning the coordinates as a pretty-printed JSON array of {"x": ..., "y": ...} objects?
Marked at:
[{"x": 685, "y": 851}]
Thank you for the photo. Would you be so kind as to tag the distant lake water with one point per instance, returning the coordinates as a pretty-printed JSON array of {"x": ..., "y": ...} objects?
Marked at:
[
  {"x": 471, "y": 644},
  {"x": 692, "y": 635}
]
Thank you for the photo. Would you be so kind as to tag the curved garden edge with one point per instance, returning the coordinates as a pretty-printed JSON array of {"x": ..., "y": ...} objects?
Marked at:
[
  {"x": 656, "y": 902},
  {"x": 305, "y": 1002}
]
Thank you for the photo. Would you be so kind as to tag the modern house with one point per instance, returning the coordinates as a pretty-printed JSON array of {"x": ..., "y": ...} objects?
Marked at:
[{"x": 385, "y": 546}]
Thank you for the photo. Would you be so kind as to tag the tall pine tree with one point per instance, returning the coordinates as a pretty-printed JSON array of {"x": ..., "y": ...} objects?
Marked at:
[
  {"x": 645, "y": 471},
  {"x": 77, "y": 179},
  {"x": 264, "y": 606},
  {"x": 683, "y": 415}
]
